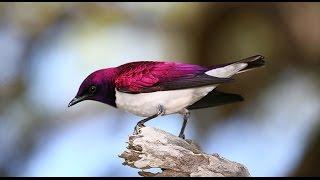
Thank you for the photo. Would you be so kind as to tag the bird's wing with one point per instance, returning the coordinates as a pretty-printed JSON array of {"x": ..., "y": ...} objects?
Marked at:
[
  {"x": 149, "y": 76},
  {"x": 216, "y": 98}
]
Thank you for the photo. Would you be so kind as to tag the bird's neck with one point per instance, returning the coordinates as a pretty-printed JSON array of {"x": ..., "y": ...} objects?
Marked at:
[{"x": 110, "y": 77}]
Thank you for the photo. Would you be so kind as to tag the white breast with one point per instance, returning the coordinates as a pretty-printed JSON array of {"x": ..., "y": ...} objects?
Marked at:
[{"x": 145, "y": 104}]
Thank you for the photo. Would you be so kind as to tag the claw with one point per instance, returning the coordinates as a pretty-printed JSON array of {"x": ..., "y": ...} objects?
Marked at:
[
  {"x": 137, "y": 128},
  {"x": 140, "y": 124},
  {"x": 182, "y": 136}
]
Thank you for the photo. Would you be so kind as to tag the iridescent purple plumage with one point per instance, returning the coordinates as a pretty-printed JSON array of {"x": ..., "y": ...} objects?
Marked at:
[
  {"x": 149, "y": 76},
  {"x": 103, "y": 80}
]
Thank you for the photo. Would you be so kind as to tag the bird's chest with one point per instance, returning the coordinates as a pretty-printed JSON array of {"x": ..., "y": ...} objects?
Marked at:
[{"x": 146, "y": 104}]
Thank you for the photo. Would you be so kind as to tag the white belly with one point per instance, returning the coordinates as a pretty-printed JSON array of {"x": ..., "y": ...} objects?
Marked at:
[{"x": 146, "y": 104}]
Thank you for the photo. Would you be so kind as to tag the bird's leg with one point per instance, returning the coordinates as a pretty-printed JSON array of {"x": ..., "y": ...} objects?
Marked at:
[
  {"x": 186, "y": 116},
  {"x": 140, "y": 124}
]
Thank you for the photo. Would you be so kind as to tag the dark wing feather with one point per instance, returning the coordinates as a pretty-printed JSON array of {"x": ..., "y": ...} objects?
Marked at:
[
  {"x": 216, "y": 98},
  {"x": 186, "y": 82},
  {"x": 149, "y": 76}
]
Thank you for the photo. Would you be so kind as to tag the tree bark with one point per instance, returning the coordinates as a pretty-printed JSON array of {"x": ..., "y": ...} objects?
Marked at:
[{"x": 154, "y": 148}]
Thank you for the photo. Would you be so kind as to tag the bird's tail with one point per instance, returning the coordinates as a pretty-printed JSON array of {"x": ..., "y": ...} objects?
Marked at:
[
  {"x": 229, "y": 69},
  {"x": 253, "y": 63}
]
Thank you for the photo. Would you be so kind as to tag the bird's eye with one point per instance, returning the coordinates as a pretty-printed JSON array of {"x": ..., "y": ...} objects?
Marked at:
[{"x": 92, "y": 89}]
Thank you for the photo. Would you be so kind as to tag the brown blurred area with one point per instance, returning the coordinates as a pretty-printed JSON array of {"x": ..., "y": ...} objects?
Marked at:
[{"x": 286, "y": 34}]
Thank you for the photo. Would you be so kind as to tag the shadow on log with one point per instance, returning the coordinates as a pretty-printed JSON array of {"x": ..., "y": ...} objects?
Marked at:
[{"x": 154, "y": 148}]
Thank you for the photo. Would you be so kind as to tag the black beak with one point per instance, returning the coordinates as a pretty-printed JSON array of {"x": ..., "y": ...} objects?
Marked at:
[{"x": 76, "y": 100}]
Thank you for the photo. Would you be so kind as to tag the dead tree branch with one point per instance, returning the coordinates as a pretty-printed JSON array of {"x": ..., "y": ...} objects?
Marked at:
[{"x": 154, "y": 148}]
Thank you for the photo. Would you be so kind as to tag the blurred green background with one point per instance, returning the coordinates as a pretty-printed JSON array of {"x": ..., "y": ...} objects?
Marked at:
[{"x": 47, "y": 49}]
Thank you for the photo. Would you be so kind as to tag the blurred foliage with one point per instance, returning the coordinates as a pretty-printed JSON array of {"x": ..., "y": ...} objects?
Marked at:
[{"x": 287, "y": 34}]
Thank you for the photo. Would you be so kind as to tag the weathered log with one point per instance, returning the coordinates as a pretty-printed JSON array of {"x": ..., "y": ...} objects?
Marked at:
[{"x": 154, "y": 148}]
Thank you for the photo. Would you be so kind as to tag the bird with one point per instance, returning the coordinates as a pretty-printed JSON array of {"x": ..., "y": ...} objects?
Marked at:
[{"x": 150, "y": 89}]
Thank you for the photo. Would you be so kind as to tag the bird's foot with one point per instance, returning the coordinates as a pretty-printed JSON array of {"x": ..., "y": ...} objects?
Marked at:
[
  {"x": 137, "y": 128},
  {"x": 182, "y": 136},
  {"x": 186, "y": 116},
  {"x": 140, "y": 124}
]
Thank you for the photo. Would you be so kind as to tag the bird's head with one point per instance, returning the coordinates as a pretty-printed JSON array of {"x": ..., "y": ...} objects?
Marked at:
[{"x": 98, "y": 86}]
